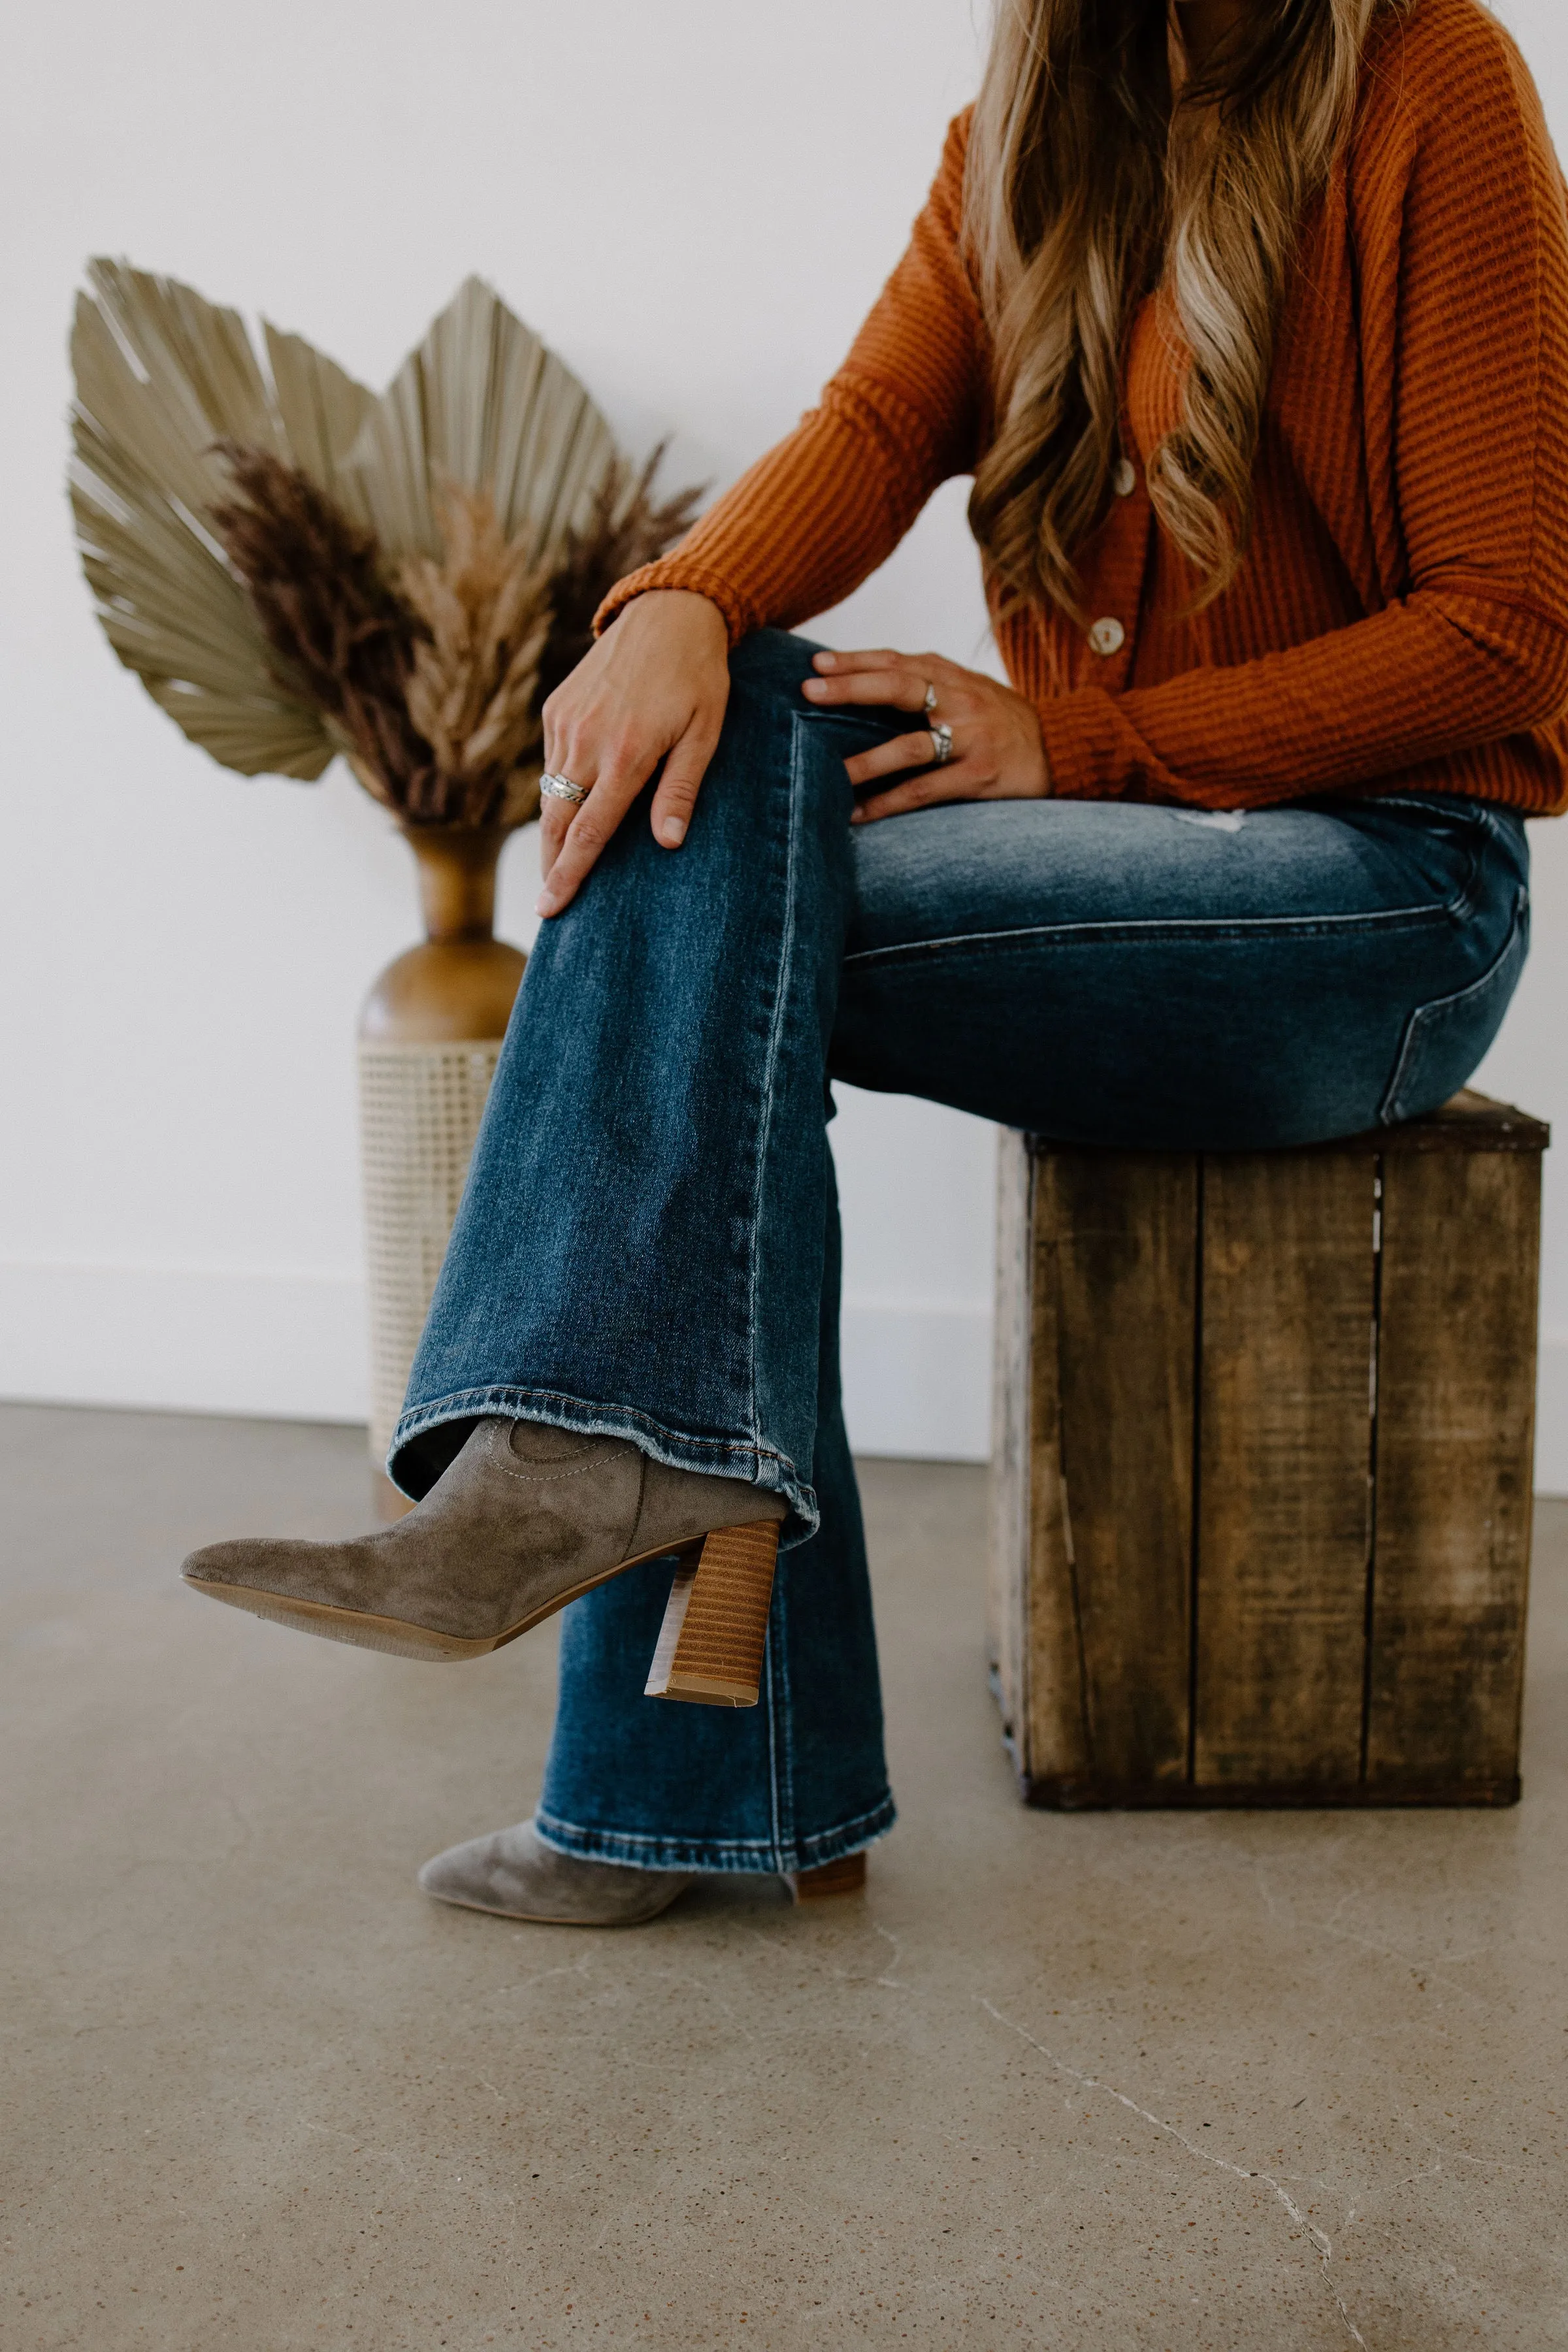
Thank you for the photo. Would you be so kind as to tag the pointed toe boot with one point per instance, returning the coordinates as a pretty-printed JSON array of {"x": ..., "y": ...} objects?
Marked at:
[
  {"x": 514, "y": 1874},
  {"x": 525, "y": 1519}
]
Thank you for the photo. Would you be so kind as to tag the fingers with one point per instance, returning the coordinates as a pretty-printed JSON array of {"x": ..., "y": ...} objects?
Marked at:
[
  {"x": 961, "y": 781},
  {"x": 652, "y": 688},
  {"x": 554, "y": 822},
  {"x": 676, "y": 795},
  {"x": 554, "y": 817},
  {"x": 894, "y": 689},
  {"x": 928, "y": 667},
  {"x": 841, "y": 664},
  {"x": 590, "y": 826},
  {"x": 992, "y": 734},
  {"x": 569, "y": 853},
  {"x": 878, "y": 674},
  {"x": 915, "y": 750}
]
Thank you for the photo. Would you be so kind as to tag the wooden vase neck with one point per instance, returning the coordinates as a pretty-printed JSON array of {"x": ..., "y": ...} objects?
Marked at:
[
  {"x": 458, "y": 987},
  {"x": 456, "y": 867}
]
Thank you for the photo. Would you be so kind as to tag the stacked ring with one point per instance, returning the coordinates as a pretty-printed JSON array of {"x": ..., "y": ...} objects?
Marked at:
[
  {"x": 942, "y": 742},
  {"x": 561, "y": 788}
]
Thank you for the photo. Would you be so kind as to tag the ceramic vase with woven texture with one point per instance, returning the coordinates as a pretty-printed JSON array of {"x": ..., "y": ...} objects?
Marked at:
[{"x": 429, "y": 1036}]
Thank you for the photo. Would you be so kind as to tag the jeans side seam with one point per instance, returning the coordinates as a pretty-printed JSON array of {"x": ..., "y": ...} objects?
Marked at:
[
  {"x": 770, "y": 1067},
  {"x": 1421, "y": 1020},
  {"x": 1276, "y": 926}
]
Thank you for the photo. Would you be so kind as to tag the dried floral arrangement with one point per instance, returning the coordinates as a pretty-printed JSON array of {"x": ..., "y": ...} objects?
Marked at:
[{"x": 296, "y": 566}]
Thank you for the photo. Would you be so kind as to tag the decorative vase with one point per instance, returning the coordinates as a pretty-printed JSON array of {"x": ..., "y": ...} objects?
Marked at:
[{"x": 429, "y": 1036}]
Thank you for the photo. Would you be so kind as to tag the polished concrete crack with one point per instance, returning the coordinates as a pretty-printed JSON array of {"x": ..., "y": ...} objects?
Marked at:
[{"x": 1220, "y": 2163}]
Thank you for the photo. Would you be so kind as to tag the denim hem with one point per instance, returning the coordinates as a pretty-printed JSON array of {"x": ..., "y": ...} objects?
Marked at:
[
  {"x": 643, "y": 1851},
  {"x": 718, "y": 1458}
]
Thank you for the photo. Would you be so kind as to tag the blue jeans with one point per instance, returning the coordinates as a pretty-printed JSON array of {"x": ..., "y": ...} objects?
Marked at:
[{"x": 648, "y": 1245}]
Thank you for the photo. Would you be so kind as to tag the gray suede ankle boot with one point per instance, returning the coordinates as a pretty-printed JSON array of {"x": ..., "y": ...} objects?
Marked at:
[
  {"x": 523, "y": 1520},
  {"x": 515, "y": 1875}
]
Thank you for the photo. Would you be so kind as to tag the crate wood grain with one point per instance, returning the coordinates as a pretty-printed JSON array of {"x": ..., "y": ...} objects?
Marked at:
[
  {"x": 1284, "y": 1445},
  {"x": 1260, "y": 1505},
  {"x": 1454, "y": 1439}
]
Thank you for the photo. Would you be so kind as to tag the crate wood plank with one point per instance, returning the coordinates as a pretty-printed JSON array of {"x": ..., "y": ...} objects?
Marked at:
[
  {"x": 1051, "y": 1742},
  {"x": 1007, "y": 1582},
  {"x": 1283, "y": 1454},
  {"x": 1466, "y": 1122},
  {"x": 1123, "y": 1233},
  {"x": 1455, "y": 1431}
]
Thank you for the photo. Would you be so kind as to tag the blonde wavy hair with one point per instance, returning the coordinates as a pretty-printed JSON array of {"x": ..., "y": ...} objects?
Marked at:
[{"x": 1089, "y": 184}]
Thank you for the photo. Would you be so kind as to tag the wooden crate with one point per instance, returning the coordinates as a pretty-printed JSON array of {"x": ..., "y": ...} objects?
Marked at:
[{"x": 1261, "y": 1501}]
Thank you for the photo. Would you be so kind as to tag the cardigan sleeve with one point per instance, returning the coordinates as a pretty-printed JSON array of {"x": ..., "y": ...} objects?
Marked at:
[
  {"x": 1465, "y": 296},
  {"x": 817, "y": 514}
]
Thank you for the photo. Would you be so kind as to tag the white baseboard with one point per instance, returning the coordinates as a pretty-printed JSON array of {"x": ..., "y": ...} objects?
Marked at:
[{"x": 291, "y": 1346}]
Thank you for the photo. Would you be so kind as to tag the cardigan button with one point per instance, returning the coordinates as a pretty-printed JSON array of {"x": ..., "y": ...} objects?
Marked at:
[
  {"x": 1107, "y": 636},
  {"x": 1124, "y": 481}
]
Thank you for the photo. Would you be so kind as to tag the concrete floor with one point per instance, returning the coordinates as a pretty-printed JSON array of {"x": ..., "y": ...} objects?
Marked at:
[{"x": 1188, "y": 2083}]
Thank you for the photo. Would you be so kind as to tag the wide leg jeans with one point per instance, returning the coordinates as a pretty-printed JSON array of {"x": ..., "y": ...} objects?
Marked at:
[{"x": 647, "y": 1245}]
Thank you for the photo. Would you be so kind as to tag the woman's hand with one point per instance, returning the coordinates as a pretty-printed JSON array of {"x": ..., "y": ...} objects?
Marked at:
[
  {"x": 654, "y": 688},
  {"x": 997, "y": 755}
]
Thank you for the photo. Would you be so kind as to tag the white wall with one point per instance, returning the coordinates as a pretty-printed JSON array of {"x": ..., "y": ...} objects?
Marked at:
[{"x": 694, "y": 202}]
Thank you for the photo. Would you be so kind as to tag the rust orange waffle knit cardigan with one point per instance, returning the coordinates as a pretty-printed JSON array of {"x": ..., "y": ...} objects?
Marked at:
[{"x": 1402, "y": 618}]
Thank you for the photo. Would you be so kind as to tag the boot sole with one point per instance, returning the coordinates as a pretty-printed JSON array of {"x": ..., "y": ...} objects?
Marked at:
[{"x": 718, "y": 1665}]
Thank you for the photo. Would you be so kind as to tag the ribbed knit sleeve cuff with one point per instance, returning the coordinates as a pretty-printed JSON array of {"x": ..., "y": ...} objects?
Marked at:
[
  {"x": 672, "y": 571},
  {"x": 1079, "y": 736}
]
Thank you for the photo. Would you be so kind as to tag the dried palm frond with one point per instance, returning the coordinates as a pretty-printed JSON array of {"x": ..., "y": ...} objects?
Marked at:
[
  {"x": 317, "y": 587},
  {"x": 321, "y": 413},
  {"x": 622, "y": 529},
  {"x": 160, "y": 377},
  {"x": 163, "y": 377},
  {"x": 471, "y": 685},
  {"x": 483, "y": 404}
]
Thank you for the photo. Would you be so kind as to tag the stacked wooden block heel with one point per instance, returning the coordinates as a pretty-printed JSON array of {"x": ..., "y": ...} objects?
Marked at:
[
  {"x": 845, "y": 1876},
  {"x": 715, "y": 1626}
]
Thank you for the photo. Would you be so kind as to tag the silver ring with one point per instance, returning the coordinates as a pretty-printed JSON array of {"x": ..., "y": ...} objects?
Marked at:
[
  {"x": 929, "y": 705},
  {"x": 561, "y": 788},
  {"x": 942, "y": 742}
]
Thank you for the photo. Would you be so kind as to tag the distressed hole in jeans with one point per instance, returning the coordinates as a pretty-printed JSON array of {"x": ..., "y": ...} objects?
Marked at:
[{"x": 1214, "y": 820}]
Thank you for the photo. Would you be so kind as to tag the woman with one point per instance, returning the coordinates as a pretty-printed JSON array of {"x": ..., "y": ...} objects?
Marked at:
[{"x": 1249, "y": 320}]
